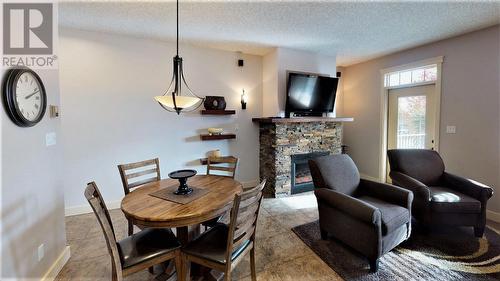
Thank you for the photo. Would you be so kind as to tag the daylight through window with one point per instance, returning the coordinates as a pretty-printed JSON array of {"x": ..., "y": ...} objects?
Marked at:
[{"x": 411, "y": 76}]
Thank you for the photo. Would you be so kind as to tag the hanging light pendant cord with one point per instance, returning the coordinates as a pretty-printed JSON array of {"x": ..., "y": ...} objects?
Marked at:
[
  {"x": 178, "y": 102},
  {"x": 177, "y": 28},
  {"x": 177, "y": 59}
]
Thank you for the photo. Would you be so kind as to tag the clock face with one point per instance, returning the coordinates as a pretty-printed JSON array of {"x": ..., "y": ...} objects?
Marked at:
[
  {"x": 24, "y": 97},
  {"x": 28, "y": 96}
]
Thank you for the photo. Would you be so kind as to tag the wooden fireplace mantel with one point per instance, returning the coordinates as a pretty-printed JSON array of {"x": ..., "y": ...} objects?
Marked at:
[{"x": 268, "y": 120}]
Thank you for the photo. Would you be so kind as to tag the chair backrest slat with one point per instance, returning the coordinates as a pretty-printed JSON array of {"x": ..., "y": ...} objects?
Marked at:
[
  {"x": 217, "y": 164},
  {"x": 141, "y": 182},
  {"x": 242, "y": 238},
  {"x": 251, "y": 192},
  {"x": 244, "y": 215},
  {"x": 132, "y": 174},
  {"x": 95, "y": 200},
  {"x": 141, "y": 173},
  {"x": 244, "y": 226}
]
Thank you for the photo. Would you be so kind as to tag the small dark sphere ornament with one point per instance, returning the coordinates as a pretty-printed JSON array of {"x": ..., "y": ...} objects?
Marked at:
[
  {"x": 214, "y": 103},
  {"x": 182, "y": 176}
]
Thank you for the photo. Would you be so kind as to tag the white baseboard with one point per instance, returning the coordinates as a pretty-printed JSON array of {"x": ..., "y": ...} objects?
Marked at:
[
  {"x": 494, "y": 216},
  {"x": 57, "y": 265},
  {"x": 85, "y": 209}
]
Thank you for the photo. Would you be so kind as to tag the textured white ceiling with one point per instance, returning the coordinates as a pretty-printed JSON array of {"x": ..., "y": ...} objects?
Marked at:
[{"x": 352, "y": 31}]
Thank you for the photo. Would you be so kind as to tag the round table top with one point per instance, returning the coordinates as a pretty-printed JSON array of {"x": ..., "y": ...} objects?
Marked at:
[{"x": 146, "y": 210}]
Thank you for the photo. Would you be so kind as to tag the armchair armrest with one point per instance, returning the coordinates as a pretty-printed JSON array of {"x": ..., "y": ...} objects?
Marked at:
[
  {"x": 390, "y": 193},
  {"x": 349, "y": 205},
  {"x": 420, "y": 191},
  {"x": 468, "y": 187}
]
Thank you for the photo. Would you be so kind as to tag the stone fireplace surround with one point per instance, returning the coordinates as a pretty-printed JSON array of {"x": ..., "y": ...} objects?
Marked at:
[{"x": 280, "y": 138}]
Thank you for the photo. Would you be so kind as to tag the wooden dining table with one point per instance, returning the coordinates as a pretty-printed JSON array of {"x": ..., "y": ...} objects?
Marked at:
[{"x": 145, "y": 210}]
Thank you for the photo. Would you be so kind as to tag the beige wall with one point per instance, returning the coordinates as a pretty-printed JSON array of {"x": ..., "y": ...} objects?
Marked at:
[
  {"x": 32, "y": 197},
  {"x": 276, "y": 65},
  {"x": 470, "y": 101},
  {"x": 109, "y": 116},
  {"x": 270, "y": 101}
]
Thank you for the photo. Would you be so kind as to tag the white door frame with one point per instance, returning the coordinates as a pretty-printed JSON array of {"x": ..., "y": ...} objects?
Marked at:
[{"x": 384, "y": 106}]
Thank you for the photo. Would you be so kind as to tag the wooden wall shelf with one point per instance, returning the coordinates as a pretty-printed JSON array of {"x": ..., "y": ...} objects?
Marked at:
[
  {"x": 204, "y": 161},
  {"x": 301, "y": 119},
  {"x": 217, "y": 112},
  {"x": 217, "y": 137}
]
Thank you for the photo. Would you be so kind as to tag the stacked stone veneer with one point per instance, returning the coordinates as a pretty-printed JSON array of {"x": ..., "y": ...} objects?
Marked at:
[{"x": 279, "y": 141}]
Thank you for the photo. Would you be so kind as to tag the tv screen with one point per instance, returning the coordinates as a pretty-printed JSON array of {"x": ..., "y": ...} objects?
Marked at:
[{"x": 310, "y": 93}]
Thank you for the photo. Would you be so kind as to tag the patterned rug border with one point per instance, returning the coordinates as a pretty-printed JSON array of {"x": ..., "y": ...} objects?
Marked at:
[{"x": 416, "y": 259}]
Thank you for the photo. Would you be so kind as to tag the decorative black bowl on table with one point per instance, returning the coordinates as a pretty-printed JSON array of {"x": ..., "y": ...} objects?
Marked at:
[{"x": 182, "y": 176}]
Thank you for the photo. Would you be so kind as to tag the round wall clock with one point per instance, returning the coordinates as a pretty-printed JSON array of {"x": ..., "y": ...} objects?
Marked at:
[{"x": 24, "y": 97}]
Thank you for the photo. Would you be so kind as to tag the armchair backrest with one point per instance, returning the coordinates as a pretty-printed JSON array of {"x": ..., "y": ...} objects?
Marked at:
[
  {"x": 423, "y": 165},
  {"x": 337, "y": 172}
]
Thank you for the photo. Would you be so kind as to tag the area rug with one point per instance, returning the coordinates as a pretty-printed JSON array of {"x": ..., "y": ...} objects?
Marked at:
[{"x": 442, "y": 254}]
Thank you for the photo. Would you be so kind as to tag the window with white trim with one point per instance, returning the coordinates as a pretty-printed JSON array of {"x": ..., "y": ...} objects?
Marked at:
[{"x": 412, "y": 76}]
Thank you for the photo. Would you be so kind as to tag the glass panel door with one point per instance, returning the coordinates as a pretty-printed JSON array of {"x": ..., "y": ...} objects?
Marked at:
[
  {"x": 411, "y": 122},
  {"x": 411, "y": 118}
]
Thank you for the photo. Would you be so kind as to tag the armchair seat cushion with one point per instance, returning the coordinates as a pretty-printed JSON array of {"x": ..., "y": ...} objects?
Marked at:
[
  {"x": 447, "y": 200},
  {"x": 145, "y": 245},
  {"x": 393, "y": 216}
]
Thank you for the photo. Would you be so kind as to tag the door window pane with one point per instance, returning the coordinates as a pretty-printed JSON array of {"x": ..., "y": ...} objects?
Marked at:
[
  {"x": 405, "y": 78},
  {"x": 394, "y": 79},
  {"x": 417, "y": 76},
  {"x": 411, "y": 122},
  {"x": 411, "y": 76},
  {"x": 430, "y": 74}
]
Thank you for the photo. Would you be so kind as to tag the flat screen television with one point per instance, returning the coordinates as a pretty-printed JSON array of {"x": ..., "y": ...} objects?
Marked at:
[{"x": 310, "y": 95}]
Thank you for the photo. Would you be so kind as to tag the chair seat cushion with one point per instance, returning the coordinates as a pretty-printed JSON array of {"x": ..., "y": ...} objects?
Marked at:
[
  {"x": 145, "y": 245},
  {"x": 212, "y": 244},
  {"x": 393, "y": 216},
  {"x": 447, "y": 200}
]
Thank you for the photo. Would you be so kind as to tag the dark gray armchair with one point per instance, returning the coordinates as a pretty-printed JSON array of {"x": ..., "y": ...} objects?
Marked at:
[
  {"x": 370, "y": 217},
  {"x": 441, "y": 198}
]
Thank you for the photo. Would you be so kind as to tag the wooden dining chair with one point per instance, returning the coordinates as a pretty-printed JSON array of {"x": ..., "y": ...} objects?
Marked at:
[
  {"x": 223, "y": 246},
  {"x": 136, "y": 174},
  {"x": 137, "y": 252},
  {"x": 225, "y": 164}
]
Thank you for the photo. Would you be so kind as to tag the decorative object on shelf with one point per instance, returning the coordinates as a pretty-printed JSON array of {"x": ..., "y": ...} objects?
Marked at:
[
  {"x": 182, "y": 176},
  {"x": 215, "y": 153},
  {"x": 215, "y": 131},
  {"x": 244, "y": 100},
  {"x": 24, "y": 97},
  {"x": 173, "y": 100},
  {"x": 217, "y": 112},
  {"x": 214, "y": 103}
]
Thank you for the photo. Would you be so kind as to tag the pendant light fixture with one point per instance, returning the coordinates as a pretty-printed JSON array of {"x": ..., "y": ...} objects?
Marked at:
[{"x": 175, "y": 99}]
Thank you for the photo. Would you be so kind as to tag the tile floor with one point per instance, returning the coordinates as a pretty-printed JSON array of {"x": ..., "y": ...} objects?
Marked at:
[{"x": 280, "y": 254}]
